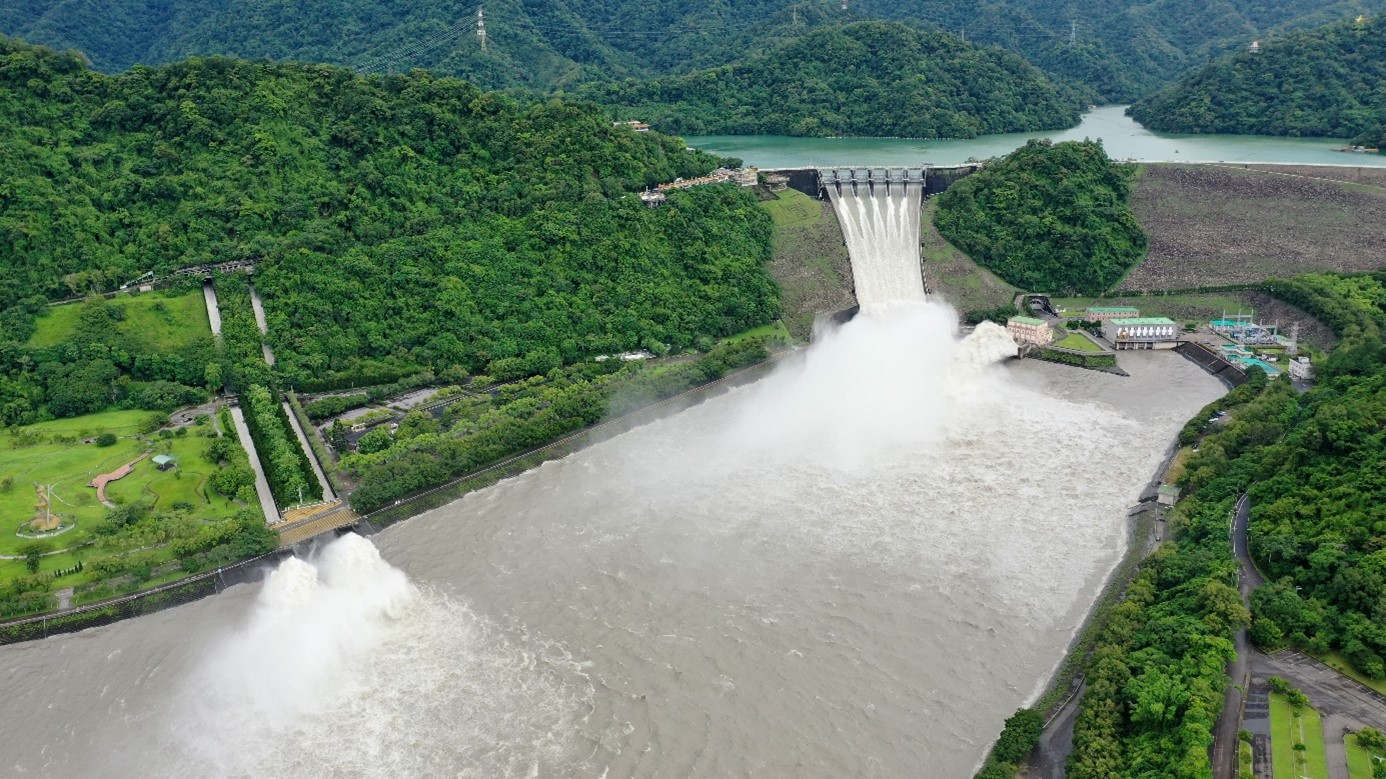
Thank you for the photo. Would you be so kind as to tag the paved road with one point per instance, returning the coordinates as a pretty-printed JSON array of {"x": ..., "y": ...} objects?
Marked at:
[
  {"x": 1050, "y": 758},
  {"x": 1343, "y": 702},
  {"x": 1329, "y": 691},
  {"x": 327, "y": 493},
  {"x": 261, "y": 483},
  {"x": 1229, "y": 722}
]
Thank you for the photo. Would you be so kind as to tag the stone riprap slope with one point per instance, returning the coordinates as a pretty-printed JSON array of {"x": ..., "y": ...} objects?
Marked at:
[{"x": 1211, "y": 225}]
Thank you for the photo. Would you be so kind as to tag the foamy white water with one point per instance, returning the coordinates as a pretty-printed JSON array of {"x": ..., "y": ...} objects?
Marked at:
[
  {"x": 881, "y": 226},
  {"x": 857, "y": 567}
]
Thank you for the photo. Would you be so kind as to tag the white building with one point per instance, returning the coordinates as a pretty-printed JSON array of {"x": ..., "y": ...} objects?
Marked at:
[
  {"x": 1154, "y": 332},
  {"x": 1300, "y": 369}
]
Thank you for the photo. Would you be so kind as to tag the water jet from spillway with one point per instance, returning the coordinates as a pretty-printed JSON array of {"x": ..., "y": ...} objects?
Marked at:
[{"x": 881, "y": 226}]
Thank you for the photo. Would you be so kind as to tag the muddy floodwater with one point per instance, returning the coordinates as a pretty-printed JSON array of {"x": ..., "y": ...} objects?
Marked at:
[{"x": 858, "y": 566}]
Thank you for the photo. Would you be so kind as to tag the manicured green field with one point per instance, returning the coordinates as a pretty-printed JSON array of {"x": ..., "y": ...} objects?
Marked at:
[
  {"x": 184, "y": 484},
  {"x": 1360, "y": 760},
  {"x": 62, "y": 463},
  {"x": 1288, "y": 728},
  {"x": 157, "y": 322},
  {"x": 65, "y": 469},
  {"x": 1078, "y": 342}
]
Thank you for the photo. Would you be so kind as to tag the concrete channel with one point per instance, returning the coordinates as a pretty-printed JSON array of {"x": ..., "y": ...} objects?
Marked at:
[
  {"x": 262, "y": 488},
  {"x": 327, "y": 493}
]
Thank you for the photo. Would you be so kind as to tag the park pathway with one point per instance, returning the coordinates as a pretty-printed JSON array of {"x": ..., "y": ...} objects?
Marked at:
[
  {"x": 101, "y": 481},
  {"x": 261, "y": 483}
]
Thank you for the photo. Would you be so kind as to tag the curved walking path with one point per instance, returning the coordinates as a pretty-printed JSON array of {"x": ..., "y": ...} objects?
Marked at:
[{"x": 101, "y": 481}]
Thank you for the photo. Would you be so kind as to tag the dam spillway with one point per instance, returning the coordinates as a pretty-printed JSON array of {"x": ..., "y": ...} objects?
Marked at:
[
  {"x": 849, "y": 568},
  {"x": 879, "y": 211}
]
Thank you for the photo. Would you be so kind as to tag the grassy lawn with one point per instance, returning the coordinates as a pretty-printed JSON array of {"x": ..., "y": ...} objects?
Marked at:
[
  {"x": 793, "y": 209},
  {"x": 1360, "y": 760},
  {"x": 65, "y": 468},
  {"x": 183, "y": 484},
  {"x": 1078, "y": 342},
  {"x": 1341, "y": 665},
  {"x": 775, "y": 331},
  {"x": 1288, "y": 728},
  {"x": 64, "y": 465},
  {"x": 1244, "y": 761},
  {"x": 159, "y": 322},
  {"x": 1180, "y": 308}
]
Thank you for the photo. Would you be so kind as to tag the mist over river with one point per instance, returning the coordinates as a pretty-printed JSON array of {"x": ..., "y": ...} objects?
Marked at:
[{"x": 858, "y": 566}]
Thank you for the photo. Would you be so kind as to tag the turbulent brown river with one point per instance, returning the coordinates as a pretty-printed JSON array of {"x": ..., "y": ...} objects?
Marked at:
[{"x": 858, "y": 566}]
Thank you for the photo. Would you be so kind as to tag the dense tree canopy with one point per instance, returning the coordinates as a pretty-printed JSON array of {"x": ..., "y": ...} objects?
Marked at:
[
  {"x": 399, "y": 223},
  {"x": 1318, "y": 517},
  {"x": 1312, "y": 466},
  {"x": 869, "y": 78},
  {"x": 1327, "y": 82},
  {"x": 1054, "y": 217},
  {"x": 1120, "y": 48}
]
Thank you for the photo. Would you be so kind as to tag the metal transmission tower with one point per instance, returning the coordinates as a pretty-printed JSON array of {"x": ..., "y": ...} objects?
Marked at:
[
  {"x": 844, "y": 5},
  {"x": 1292, "y": 348},
  {"x": 481, "y": 25},
  {"x": 1072, "y": 32}
]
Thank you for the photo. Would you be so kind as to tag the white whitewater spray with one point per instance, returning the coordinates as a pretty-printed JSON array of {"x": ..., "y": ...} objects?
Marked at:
[
  {"x": 346, "y": 668},
  {"x": 881, "y": 226}
]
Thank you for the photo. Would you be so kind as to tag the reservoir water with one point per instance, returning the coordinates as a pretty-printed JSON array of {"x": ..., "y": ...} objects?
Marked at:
[
  {"x": 1122, "y": 137},
  {"x": 858, "y": 566}
]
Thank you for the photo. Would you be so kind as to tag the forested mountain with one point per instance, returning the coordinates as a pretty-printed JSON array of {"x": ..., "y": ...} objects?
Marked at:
[
  {"x": 869, "y": 78},
  {"x": 1119, "y": 48},
  {"x": 400, "y": 223},
  {"x": 1328, "y": 82},
  {"x": 1049, "y": 216}
]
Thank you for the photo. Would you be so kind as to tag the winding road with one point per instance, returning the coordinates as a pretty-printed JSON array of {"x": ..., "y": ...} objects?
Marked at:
[{"x": 1344, "y": 703}]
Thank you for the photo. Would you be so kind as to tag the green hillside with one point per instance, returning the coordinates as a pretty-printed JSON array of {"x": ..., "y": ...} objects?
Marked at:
[
  {"x": 401, "y": 224},
  {"x": 1119, "y": 50},
  {"x": 1328, "y": 82},
  {"x": 869, "y": 78},
  {"x": 1049, "y": 216}
]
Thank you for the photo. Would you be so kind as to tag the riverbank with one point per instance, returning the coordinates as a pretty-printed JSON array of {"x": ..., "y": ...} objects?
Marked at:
[
  {"x": 1156, "y": 377},
  {"x": 194, "y": 587}
]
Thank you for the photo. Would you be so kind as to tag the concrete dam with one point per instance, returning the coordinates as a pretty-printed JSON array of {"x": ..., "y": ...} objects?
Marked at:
[{"x": 819, "y": 182}]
